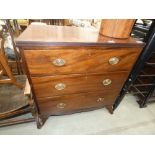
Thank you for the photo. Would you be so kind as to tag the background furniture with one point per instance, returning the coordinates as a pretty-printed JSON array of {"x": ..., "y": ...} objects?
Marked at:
[
  {"x": 71, "y": 72},
  {"x": 15, "y": 50},
  {"x": 144, "y": 85},
  {"x": 5, "y": 68},
  {"x": 143, "y": 63},
  {"x": 49, "y": 21},
  {"x": 10, "y": 107},
  {"x": 117, "y": 28},
  {"x": 8, "y": 33},
  {"x": 16, "y": 104}
]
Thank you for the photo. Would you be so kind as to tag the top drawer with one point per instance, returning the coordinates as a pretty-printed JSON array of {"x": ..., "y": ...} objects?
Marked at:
[{"x": 80, "y": 60}]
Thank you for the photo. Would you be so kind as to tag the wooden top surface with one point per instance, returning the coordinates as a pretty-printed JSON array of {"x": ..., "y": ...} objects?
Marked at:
[{"x": 48, "y": 35}]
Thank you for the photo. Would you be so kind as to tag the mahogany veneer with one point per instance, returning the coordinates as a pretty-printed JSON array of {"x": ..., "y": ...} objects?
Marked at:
[
  {"x": 74, "y": 69},
  {"x": 76, "y": 102},
  {"x": 117, "y": 28},
  {"x": 45, "y": 86},
  {"x": 80, "y": 60}
]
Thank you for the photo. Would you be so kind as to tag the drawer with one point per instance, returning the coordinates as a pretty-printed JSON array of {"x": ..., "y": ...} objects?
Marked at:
[
  {"x": 69, "y": 84},
  {"x": 76, "y": 102},
  {"x": 80, "y": 61}
]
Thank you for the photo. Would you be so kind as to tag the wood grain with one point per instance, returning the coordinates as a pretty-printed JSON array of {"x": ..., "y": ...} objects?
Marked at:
[
  {"x": 117, "y": 28},
  {"x": 80, "y": 60},
  {"x": 45, "y": 86},
  {"x": 86, "y": 54},
  {"x": 5, "y": 68},
  {"x": 76, "y": 102},
  {"x": 47, "y": 35}
]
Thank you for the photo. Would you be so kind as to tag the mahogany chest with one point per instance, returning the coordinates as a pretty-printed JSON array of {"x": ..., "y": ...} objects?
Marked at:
[{"x": 73, "y": 69}]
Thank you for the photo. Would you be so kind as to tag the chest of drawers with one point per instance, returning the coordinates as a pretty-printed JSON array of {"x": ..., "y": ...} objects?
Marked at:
[{"x": 73, "y": 69}]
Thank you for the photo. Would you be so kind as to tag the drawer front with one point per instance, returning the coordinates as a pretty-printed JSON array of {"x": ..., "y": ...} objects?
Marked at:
[
  {"x": 69, "y": 84},
  {"x": 76, "y": 102},
  {"x": 80, "y": 61}
]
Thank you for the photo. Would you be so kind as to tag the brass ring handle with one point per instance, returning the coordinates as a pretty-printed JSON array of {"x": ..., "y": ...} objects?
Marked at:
[
  {"x": 100, "y": 99},
  {"x": 60, "y": 86},
  {"x": 113, "y": 61},
  {"x": 106, "y": 82},
  {"x": 59, "y": 62},
  {"x": 61, "y": 105}
]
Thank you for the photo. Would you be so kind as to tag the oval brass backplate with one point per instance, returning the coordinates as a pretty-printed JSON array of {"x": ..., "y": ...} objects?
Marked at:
[
  {"x": 113, "y": 61},
  {"x": 60, "y": 86},
  {"x": 106, "y": 82},
  {"x": 100, "y": 99},
  {"x": 59, "y": 62},
  {"x": 61, "y": 105}
]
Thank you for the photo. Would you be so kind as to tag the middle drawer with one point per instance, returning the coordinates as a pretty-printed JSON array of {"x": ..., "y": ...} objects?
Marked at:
[{"x": 69, "y": 84}]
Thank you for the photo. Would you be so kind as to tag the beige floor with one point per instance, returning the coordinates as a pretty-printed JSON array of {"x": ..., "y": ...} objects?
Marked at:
[{"x": 127, "y": 119}]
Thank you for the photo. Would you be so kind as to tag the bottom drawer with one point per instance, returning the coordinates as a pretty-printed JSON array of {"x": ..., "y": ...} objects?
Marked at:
[{"x": 76, "y": 102}]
